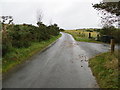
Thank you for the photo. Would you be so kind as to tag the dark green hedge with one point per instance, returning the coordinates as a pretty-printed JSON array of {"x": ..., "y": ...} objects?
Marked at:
[{"x": 21, "y": 36}]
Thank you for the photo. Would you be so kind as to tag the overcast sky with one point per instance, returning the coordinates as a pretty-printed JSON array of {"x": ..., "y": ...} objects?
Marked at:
[{"x": 68, "y": 14}]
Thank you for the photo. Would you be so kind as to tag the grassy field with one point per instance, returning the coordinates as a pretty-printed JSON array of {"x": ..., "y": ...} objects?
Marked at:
[
  {"x": 18, "y": 56},
  {"x": 82, "y": 35},
  {"x": 105, "y": 69}
]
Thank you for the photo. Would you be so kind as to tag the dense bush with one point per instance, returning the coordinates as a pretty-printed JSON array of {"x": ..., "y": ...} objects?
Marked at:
[
  {"x": 21, "y": 36},
  {"x": 54, "y": 30},
  {"x": 111, "y": 31},
  {"x": 6, "y": 44},
  {"x": 107, "y": 30}
]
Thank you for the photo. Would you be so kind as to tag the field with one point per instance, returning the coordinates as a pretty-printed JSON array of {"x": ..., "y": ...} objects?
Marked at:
[{"x": 83, "y": 35}]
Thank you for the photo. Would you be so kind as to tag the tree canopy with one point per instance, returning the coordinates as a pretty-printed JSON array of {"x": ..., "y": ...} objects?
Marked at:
[
  {"x": 111, "y": 7},
  {"x": 110, "y": 11}
]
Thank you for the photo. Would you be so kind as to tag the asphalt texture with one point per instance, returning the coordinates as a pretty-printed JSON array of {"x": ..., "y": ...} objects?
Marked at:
[{"x": 63, "y": 65}]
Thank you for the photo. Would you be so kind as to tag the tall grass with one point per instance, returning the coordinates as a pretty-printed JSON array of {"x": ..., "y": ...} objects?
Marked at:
[{"x": 105, "y": 69}]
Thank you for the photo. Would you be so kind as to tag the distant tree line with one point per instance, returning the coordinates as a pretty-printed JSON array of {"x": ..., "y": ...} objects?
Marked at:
[{"x": 22, "y": 36}]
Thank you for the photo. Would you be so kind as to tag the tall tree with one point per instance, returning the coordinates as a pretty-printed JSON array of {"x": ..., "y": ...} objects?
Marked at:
[
  {"x": 110, "y": 11},
  {"x": 39, "y": 16}
]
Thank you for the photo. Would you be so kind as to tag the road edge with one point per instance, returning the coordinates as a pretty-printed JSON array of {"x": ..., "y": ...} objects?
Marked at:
[{"x": 16, "y": 67}]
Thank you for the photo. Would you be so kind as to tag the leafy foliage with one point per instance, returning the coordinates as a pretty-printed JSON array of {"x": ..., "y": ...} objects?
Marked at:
[
  {"x": 21, "y": 36},
  {"x": 6, "y": 44},
  {"x": 111, "y": 7},
  {"x": 110, "y": 18}
]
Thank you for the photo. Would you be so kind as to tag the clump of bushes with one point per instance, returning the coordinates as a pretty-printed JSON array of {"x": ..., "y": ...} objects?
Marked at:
[
  {"x": 112, "y": 32},
  {"x": 21, "y": 36},
  {"x": 6, "y": 44}
]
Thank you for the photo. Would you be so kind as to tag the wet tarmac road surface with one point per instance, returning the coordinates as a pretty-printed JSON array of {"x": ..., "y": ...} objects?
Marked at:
[{"x": 63, "y": 65}]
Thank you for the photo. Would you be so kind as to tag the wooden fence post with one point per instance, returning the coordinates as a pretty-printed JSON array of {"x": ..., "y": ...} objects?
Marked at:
[
  {"x": 89, "y": 35},
  {"x": 98, "y": 37},
  {"x": 112, "y": 45}
]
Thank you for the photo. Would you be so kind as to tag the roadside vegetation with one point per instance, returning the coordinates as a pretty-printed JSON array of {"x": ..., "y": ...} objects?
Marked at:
[
  {"x": 105, "y": 66},
  {"x": 20, "y": 42},
  {"x": 105, "y": 69},
  {"x": 20, "y": 55},
  {"x": 97, "y": 35},
  {"x": 83, "y": 35},
  {"x": 109, "y": 19}
]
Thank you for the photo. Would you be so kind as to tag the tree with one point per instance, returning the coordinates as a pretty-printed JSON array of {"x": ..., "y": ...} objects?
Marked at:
[
  {"x": 111, "y": 7},
  {"x": 39, "y": 16},
  {"x": 111, "y": 15},
  {"x": 110, "y": 12},
  {"x": 6, "y": 20}
]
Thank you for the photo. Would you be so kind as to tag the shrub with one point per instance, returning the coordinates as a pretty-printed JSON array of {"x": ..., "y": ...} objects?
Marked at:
[
  {"x": 21, "y": 36},
  {"x": 6, "y": 44}
]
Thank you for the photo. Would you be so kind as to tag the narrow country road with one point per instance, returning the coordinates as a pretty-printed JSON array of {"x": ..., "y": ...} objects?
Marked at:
[{"x": 63, "y": 65}]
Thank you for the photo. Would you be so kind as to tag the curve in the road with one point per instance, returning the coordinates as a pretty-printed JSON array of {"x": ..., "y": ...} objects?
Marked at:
[{"x": 64, "y": 65}]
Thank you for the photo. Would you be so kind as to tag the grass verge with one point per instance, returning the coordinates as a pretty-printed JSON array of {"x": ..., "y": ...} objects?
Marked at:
[
  {"x": 105, "y": 69},
  {"x": 84, "y": 39},
  {"x": 83, "y": 35},
  {"x": 18, "y": 56}
]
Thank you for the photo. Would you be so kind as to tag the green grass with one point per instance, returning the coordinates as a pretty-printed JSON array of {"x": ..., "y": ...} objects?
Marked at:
[
  {"x": 82, "y": 35},
  {"x": 18, "y": 56},
  {"x": 85, "y": 39},
  {"x": 105, "y": 69}
]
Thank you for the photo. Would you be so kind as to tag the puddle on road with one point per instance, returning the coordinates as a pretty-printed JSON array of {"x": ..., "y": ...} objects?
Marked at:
[{"x": 69, "y": 44}]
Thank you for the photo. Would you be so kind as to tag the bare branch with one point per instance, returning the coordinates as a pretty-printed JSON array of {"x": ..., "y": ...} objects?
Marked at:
[{"x": 39, "y": 16}]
